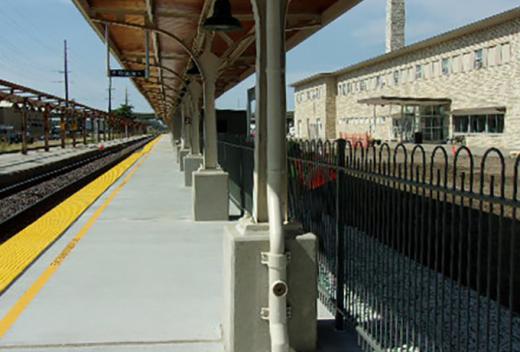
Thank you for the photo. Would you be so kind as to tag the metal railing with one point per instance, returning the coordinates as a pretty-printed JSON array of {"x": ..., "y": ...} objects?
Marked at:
[
  {"x": 419, "y": 251},
  {"x": 236, "y": 156}
]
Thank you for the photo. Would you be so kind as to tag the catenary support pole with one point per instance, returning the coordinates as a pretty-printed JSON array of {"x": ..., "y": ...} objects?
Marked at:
[{"x": 276, "y": 173}]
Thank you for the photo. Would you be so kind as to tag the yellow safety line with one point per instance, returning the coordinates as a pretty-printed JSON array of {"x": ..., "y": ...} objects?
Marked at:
[
  {"x": 19, "y": 252},
  {"x": 14, "y": 313}
]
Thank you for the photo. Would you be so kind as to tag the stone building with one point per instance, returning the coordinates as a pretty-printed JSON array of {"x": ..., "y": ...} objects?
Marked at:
[{"x": 461, "y": 86}]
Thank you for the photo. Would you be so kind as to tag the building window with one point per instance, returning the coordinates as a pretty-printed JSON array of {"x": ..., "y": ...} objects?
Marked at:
[
  {"x": 419, "y": 73},
  {"x": 446, "y": 66},
  {"x": 378, "y": 82},
  {"x": 478, "y": 123},
  {"x": 460, "y": 124},
  {"x": 493, "y": 123},
  {"x": 396, "y": 78},
  {"x": 478, "y": 62},
  {"x": 363, "y": 85}
]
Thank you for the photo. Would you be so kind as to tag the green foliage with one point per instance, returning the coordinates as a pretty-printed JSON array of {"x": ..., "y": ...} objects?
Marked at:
[{"x": 124, "y": 110}]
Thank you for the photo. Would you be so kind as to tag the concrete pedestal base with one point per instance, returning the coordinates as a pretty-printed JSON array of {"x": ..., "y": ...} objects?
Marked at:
[
  {"x": 246, "y": 285},
  {"x": 210, "y": 195},
  {"x": 182, "y": 155},
  {"x": 191, "y": 164}
]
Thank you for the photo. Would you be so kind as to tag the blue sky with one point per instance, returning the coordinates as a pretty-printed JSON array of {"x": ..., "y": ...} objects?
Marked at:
[{"x": 32, "y": 34}]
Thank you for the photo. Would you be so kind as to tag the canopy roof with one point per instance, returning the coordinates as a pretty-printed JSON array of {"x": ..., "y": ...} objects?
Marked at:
[{"x": 183, "y": 19}]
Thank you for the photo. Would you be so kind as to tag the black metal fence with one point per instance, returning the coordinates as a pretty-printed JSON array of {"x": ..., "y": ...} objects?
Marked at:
[
  {"x": 236, "y": 156},
  {"x": 418, "y": 250}
]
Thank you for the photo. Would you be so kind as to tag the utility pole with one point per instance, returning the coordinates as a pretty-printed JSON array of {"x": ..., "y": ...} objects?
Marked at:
[
  {"x": 66, "y": 73},
  {"x": 110, "y": 89},
  {"x": 126, "y": 96},
  {"x": 64, "y": 118},
  {"x": 107, "y": 125}
]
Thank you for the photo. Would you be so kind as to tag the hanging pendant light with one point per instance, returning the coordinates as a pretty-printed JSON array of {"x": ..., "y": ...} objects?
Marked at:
[
  {"x": 194, "y": 70},
  {"x": 222, "y": 19}
]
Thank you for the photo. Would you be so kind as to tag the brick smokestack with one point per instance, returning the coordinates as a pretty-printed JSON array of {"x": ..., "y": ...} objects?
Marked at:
[{"x": 395, "y": 24}]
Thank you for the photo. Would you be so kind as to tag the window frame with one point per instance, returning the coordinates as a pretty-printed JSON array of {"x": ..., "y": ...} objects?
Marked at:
[
  {"x": 446, "y": 66},
  {"x": 478, "y": 59}
]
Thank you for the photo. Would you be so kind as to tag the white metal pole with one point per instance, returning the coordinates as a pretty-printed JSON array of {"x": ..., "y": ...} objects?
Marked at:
[
  {"x": 276, "y": 162},
  {"x": 260, "y": 175}
]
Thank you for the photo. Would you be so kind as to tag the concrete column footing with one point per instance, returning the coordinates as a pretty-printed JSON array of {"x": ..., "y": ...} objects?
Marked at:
[
  {"x": 191, "y": 164},
  {"x": 210, "y": 195},
  {"x": 246, "y": 288},
  {"x": 182, "y": 154}
]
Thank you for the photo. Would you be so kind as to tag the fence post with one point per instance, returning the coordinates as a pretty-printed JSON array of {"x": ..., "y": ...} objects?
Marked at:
[{"x": 340, "y": 234}]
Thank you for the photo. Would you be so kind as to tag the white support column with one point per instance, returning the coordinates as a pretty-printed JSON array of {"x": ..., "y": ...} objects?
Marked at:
[
  {"x": 185, "y": 136},
  {"x": 183, "y": 127},
  {"x": 210, "y": 184},
  {"x": 260, "y": 174},
  {"x": 187, "y": 113},
  {"x": 253, "y": 285},
  {"x": 194, "y": 160},
  {"x": 195, "y": 90},
  {"x": 210, "y": 63}
]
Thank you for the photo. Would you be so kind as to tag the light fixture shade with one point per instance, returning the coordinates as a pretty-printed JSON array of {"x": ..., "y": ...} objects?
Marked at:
[
  {"x": 194, "y": 70},
  {"x": 222, "y": 20}
]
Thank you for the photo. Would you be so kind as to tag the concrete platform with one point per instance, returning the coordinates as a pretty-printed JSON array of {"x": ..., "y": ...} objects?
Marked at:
[
  {"x": 17, "y": 162},
  {"x": 145, "y": 277}
]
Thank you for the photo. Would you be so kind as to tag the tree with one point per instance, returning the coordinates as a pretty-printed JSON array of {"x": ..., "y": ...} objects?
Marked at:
[{"x": 125, "y": 110}]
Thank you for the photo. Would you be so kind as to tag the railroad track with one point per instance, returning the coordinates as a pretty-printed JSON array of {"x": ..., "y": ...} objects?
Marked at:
[{"x": 25, "y": 201}]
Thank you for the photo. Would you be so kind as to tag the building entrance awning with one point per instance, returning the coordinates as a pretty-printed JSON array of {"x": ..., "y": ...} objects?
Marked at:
[
  {"x": 405, "y": 101},
  {"x": 480, "y": 111}
]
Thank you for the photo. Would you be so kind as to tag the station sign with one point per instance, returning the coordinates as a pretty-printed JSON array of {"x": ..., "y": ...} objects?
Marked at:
[{"x": 128, "y": 73}]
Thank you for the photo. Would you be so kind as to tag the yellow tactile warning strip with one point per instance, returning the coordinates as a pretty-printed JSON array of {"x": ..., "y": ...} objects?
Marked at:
[{"x": 25, "y": 247}]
